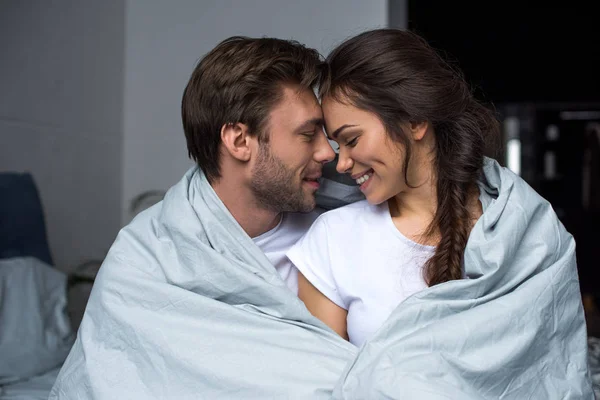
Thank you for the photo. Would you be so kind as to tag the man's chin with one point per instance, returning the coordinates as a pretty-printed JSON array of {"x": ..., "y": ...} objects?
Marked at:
[
  {"x": 308, "y": 208},
  {"x": 308, "y": 204}
]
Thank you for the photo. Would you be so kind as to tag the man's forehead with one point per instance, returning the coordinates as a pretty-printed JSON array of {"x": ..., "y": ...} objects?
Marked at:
[
  {"x": 297, "y": 93},
  {"x": 299, "y": 104}
]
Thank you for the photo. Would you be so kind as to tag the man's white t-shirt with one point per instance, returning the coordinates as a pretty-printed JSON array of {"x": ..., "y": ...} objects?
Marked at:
[
  {"x": 357, "y": 258},
  {"x": 276, "y": 242}
]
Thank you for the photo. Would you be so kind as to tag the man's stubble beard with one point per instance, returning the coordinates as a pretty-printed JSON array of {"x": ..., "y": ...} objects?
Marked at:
[{"x": 275, "y": 187}]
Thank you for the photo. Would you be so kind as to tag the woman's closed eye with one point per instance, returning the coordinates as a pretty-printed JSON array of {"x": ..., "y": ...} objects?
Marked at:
[{"x": 352, "y": 142}]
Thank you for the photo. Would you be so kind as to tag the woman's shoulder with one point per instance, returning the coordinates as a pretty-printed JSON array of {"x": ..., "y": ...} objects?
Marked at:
[{"x": 512, "y": 206}]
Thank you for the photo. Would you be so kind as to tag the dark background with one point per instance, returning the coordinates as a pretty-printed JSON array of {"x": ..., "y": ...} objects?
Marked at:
[{"x": 539, "y": 66}]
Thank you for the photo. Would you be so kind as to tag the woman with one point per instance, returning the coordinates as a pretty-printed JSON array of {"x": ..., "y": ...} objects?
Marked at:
[
  {"x": 413, "y": 137},
  {"x": 455, "y": 278}
]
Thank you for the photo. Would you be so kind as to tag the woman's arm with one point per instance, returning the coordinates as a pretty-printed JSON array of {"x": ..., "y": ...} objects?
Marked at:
[{"x": 321, "y": 307}]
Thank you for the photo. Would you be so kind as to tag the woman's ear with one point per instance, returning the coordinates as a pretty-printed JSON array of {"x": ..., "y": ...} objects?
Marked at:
[
  {"x": 418, "y": 130},
  {"x": 236, "y": 140}
]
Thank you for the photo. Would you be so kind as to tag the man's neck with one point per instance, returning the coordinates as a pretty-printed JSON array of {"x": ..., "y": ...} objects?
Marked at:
[{"x": 241, "y": 204}]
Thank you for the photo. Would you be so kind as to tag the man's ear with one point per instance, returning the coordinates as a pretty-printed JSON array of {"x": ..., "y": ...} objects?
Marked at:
[
  {"x": 418, "y": 130},
  {"x": 236, "y": 140}
]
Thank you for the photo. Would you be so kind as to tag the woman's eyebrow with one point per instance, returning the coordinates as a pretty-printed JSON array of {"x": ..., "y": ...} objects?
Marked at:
[{"x": 339, "y": 130}]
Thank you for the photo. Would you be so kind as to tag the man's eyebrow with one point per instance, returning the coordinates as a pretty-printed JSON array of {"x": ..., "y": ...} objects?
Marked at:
[
  {"x": 339, "y": 130},
  {"x": 310, "y": 124}
]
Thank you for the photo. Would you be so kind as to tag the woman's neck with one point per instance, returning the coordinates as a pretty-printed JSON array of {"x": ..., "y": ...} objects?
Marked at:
[{"x": 413, "y": 210}]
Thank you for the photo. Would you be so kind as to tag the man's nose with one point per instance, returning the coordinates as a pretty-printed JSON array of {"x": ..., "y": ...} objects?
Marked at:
[{"x": 324, "y": 152}]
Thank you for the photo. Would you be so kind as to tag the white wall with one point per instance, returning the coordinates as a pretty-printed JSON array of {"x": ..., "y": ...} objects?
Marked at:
[
  {"x": 164, "y": 40},
  {"x": 61, "y": 81}
]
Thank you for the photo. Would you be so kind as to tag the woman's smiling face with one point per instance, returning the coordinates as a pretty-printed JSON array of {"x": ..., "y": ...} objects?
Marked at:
[{"x": 366, "y": 151}]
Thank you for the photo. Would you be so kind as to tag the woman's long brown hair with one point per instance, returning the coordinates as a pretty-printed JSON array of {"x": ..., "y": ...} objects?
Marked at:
[{"x": 399, "y": 77}]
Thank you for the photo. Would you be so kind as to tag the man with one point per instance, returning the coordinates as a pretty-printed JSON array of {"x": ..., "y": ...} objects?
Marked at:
[
  {"x": 193, "y": 299},
  {"x": 255, "y": 127}
]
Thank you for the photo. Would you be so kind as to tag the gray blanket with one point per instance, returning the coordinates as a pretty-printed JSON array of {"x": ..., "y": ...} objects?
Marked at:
[{"x": 187, "y": 307}]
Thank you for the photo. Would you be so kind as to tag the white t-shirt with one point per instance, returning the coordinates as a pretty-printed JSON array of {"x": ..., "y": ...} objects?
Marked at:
[
  {"x": 276, "y": 242},
  {"x": 357, "y": 258}
]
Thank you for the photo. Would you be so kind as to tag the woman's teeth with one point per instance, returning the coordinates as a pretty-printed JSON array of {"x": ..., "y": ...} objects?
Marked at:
[{"x": 363, "y": 179}]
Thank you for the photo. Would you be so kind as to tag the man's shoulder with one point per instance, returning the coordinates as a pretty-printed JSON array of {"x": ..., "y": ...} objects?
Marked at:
[{"x": 138, "y": 247}]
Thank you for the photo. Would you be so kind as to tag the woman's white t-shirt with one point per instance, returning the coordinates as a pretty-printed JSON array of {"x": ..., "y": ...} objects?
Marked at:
[{"x": 357, "y": 258}]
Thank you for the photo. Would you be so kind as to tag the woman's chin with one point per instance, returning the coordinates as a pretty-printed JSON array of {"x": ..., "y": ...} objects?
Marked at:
[{"x": 375, "y": 200}]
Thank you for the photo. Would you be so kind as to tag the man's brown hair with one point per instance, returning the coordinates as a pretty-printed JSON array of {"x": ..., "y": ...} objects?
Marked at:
[{"x": 240, "y": 81}]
